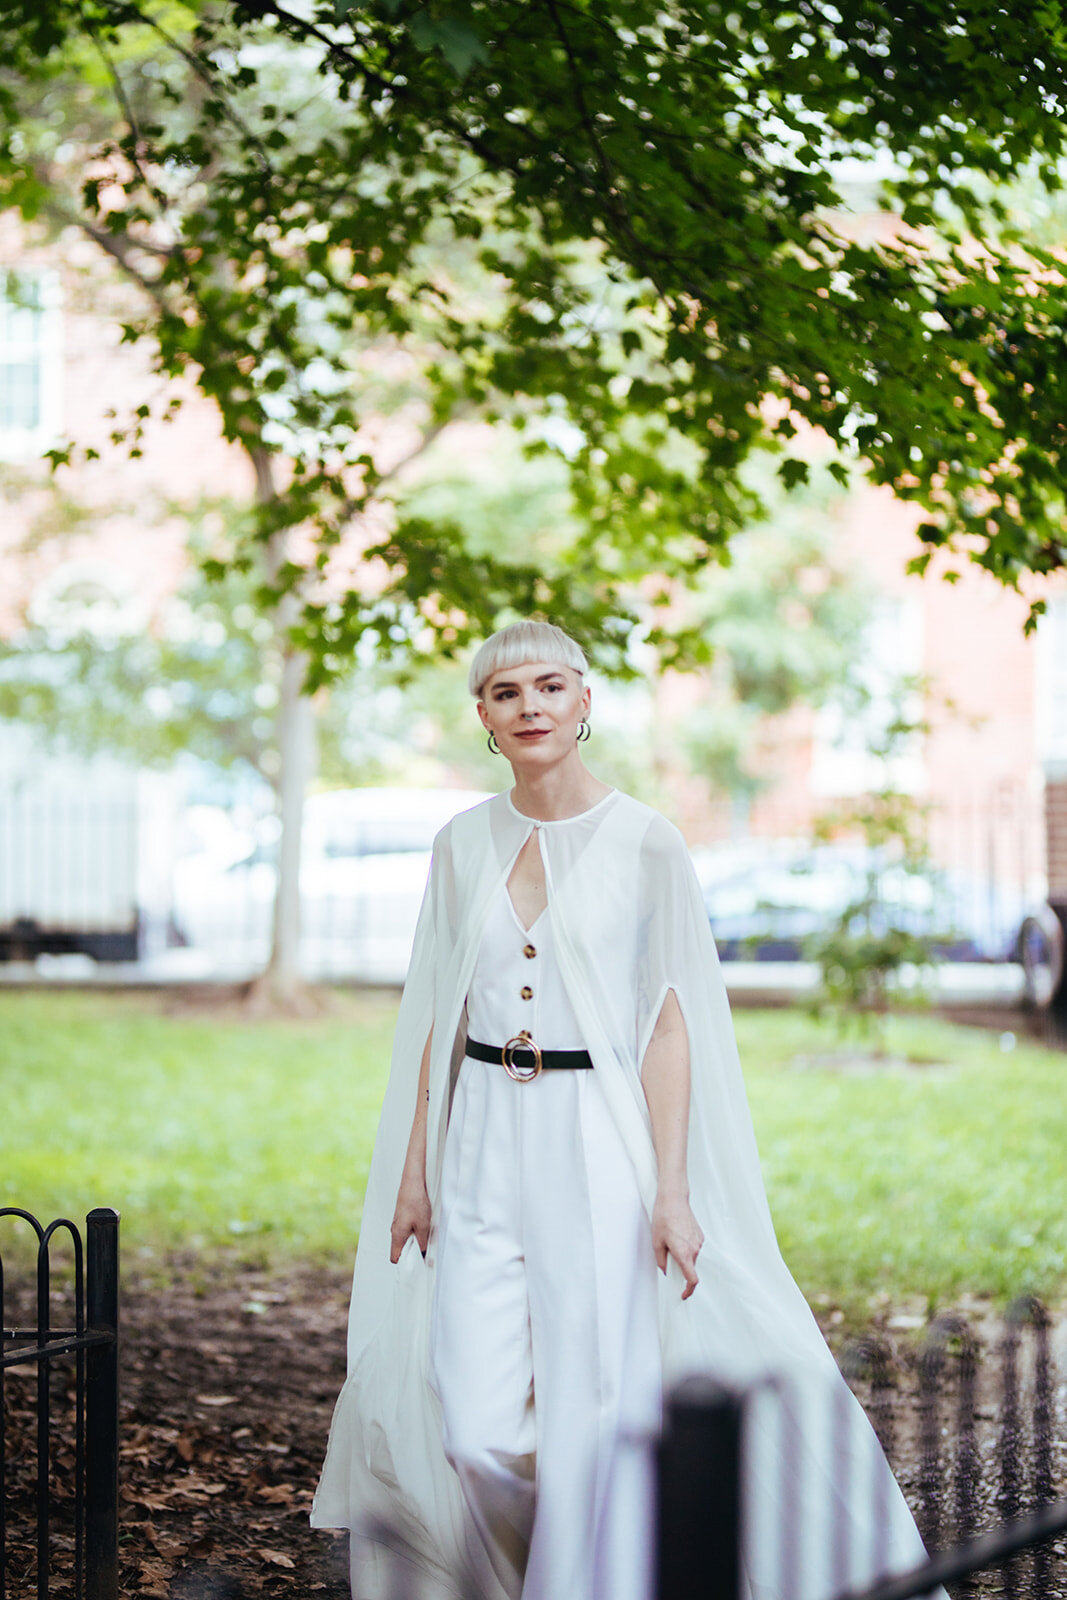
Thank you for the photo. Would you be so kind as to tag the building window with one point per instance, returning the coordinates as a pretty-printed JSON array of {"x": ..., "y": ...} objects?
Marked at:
[
  {"x": 87, "y": 597},
  {"x": 30, "y": 362},
  {"x": 849, "y": 730}
]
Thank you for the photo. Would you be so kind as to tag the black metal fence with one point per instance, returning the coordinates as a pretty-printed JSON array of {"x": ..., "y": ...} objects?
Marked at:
[
  {"x": 80, "y": 1474},
  {"x": 976, "y": 1454}
]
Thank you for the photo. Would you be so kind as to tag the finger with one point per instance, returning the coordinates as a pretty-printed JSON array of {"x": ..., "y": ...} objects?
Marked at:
[
  {"x": 661, "y": 1256},
  {"x": 421, "y": 1231},
  {"x": 686, "y": 1259}
]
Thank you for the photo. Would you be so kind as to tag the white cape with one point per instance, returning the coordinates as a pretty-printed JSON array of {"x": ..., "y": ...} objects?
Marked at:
[{"x": 619, "y": 880}]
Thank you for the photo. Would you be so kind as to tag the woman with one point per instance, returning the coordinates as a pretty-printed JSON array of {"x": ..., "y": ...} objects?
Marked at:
[{"x": 565, "y": 1114}]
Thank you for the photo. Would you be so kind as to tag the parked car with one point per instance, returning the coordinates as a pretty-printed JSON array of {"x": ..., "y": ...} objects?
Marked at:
[
  {"x": 766, "y": 897},
  {"x": 365, "y": 860}
]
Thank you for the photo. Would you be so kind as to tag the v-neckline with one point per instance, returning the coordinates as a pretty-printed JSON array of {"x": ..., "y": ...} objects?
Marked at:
[{"x": 518, "y": 920}]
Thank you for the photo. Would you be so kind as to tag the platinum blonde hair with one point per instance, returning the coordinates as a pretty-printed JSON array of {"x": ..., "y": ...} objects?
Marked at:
[{"x": 520, "y": 643}]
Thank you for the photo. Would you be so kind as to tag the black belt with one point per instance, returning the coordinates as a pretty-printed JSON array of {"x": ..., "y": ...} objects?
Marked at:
[{"x": 523, "y": 1045}]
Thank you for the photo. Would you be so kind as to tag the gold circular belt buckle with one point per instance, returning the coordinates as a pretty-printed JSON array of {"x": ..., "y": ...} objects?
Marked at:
[{"x": 522, "y": 1041}]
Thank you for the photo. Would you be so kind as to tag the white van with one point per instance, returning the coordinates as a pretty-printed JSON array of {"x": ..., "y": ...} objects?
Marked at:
[{"x": 365, "y": 860}]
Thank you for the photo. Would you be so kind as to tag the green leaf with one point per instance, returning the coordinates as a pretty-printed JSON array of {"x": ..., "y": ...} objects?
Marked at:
[
  {"x": 457, "y": 41},
  {"x": 793, "y": 472}
]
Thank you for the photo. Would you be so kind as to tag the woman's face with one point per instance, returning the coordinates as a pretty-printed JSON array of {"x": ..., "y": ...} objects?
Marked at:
[{"x": 534, "y": 711}]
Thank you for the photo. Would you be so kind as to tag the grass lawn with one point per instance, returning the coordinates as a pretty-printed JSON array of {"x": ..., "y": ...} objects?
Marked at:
[
  {"x": 212, "y": 1134},
  {"x": 934, "y": 1180}
]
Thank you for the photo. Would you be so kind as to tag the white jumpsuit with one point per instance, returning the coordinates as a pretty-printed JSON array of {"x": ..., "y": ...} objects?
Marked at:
[{"x": 545, "y": 1349}]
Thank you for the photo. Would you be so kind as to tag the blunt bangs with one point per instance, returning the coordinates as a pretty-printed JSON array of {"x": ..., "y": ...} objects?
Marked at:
[{"x": 522, "y": 642}]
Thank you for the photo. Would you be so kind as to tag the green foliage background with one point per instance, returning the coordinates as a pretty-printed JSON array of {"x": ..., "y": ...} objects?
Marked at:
[{"x": 632, "y": 219}]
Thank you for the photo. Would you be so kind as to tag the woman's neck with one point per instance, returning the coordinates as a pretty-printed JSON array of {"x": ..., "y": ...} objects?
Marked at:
[{"x": 558, "y": 792}]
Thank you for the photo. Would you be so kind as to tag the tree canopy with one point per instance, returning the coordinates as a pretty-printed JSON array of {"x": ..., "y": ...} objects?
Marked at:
[{"x": 629, "y": 228}]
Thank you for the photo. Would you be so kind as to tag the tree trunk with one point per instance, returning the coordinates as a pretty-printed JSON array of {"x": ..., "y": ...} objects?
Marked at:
[
  {"x": 281, "y": 984},
  {"x": 296, "y": 747}
]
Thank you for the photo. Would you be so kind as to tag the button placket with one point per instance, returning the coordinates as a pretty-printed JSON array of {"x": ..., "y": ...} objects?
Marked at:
[{"x": 529, "y": 951}]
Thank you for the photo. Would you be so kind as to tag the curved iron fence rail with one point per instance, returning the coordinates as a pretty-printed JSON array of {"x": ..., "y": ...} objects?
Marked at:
[{"x": 93, "y": 1344}]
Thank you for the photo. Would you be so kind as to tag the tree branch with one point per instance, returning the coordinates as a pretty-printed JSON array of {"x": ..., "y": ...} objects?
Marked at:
[
  {"x": 257, "y": 9},
  {"x": 195, "y": 63},
  {"x": 352, "y": 506},
  {"x": 131, "y": 120},
  {"x": 120, "y": 248},
  {"x": 427, "y": 439}
]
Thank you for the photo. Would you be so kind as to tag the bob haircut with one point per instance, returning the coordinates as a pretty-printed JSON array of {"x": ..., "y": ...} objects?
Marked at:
[{"x": 520, "y": 643}]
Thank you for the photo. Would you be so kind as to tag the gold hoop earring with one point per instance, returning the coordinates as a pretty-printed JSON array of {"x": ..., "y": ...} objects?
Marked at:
[
  {"x": 494, "y": 747},
  {"x": 584, "y": 731}
]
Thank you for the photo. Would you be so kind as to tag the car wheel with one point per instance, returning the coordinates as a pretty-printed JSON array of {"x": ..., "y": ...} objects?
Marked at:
[{"x": 1040, "y": 948}]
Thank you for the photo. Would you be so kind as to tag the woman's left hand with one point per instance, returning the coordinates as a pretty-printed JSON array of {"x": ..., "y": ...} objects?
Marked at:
[{"x": 676, "y": 1232}]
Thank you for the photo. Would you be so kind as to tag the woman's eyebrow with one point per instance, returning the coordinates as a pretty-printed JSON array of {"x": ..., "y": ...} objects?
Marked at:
[{"x": 508, "y": 683}]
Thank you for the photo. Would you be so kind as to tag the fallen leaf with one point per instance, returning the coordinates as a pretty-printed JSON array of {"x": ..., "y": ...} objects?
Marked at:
[
  {"x": 154, "y": 1578},
  {"x": 276, "y": 1494},
  {"x": 150, "y": 1499},
  {"x": 276, "y": 1558},
  {"x": 195, "y": 1486},
  {"x": 217, "y": 1399}
]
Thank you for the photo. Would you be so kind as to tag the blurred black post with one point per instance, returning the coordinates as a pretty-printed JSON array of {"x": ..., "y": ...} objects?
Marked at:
[
  {"x": 699, "y": 1494},
  {"x": 102, "y": 1406}
]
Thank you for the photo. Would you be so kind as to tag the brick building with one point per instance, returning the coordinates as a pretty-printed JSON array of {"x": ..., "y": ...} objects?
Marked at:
[{"x": 117, "y": 523}]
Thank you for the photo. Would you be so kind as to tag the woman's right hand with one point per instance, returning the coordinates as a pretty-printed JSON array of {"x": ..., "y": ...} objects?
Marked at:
[{"x": 412, "y": 1216}]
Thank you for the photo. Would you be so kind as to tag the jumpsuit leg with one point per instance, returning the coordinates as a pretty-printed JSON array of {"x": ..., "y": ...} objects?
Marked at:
[
  {"x": 596, "y": 1351},
  {"x": 545, "y": 1275},
  {"x": 481, "y": 1364}
]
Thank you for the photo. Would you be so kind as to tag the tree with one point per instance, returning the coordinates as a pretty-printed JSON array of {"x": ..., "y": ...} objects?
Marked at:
[
  {"x": 689, "y": 154},
  {"x": 884, "y": 929},
  {"x": 650, "y": 199}
]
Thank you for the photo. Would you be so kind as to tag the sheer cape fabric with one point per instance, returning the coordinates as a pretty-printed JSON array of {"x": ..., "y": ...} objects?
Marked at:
[{"x": 630, "y": 924}]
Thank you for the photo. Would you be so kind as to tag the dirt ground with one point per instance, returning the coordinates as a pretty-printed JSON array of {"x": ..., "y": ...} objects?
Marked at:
[
  {"x": 226, "y": 1397},
  {"x": 227, "y": 1391}
]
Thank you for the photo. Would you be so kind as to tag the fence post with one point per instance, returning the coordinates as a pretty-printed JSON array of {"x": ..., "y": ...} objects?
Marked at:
[
  {"x": 102, "y": 1407},
  {"x": 698, "y": 1550}
]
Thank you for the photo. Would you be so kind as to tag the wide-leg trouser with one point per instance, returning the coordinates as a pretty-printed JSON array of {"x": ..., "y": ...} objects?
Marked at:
[{"x": 544, "y": 1336}]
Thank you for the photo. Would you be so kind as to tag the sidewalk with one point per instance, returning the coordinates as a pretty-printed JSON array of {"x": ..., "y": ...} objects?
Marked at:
[
  {"x": 964, "y": 985},
  {"x": 969, "y": 986}
]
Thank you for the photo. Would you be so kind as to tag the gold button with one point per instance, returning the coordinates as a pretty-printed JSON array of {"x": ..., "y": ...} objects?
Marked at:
[
  {"x": 523, "y": 1033},
  {"x": 526, "y": 992},
  {"x": 529, "y": 951}
]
